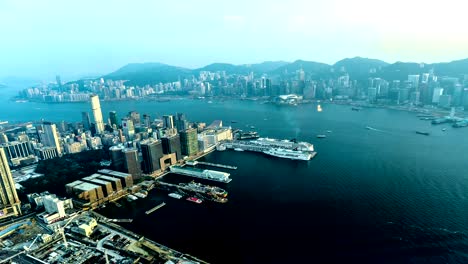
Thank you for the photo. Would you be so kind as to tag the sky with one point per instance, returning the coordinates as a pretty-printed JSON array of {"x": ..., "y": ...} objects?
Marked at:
[{"x": 41, "y": 39}]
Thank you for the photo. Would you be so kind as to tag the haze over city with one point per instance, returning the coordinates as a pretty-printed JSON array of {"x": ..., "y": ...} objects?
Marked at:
[{"x": 44, "y": 38}]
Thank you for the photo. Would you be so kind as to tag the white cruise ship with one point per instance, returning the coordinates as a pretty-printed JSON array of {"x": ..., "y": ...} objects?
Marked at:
[
  {"x": 288, "y": 154},
  {"x": 288, "y": 144}
]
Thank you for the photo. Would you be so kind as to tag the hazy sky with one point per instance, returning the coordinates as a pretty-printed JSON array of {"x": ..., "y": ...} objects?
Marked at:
[{"x": 75, "y": 38}]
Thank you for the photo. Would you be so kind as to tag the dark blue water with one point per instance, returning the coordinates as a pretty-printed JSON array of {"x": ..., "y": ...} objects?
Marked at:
[{"x": 384, "y": 196}]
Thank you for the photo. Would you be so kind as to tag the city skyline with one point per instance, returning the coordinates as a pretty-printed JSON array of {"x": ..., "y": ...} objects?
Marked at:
[{"x": 100, "y": 42}]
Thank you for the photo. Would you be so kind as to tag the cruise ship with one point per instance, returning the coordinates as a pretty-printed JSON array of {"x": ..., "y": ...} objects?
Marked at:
[
  {"x": 290, "y": 149},
  {"x": 287, "y": 144},
  {"x": 218, "y": 176},
  {"x": 288, "y": 154}
]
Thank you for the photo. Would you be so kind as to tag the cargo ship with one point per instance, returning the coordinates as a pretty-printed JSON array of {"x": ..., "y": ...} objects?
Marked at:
[
  {"x": 218, "y": 176},
  {"x": 195, "y": 200}
]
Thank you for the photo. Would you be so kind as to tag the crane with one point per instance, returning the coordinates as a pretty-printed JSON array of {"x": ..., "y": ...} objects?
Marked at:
[
  {"x": 61, "y": 230},
  {"x": 34, "y": 241}
]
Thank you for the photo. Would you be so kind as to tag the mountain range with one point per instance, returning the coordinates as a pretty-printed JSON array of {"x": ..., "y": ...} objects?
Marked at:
[{"x": 357, "y": 68}]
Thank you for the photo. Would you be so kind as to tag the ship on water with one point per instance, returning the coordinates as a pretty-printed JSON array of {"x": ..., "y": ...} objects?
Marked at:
[
  {"x": 213, "y": 175},
  {"x": 195, "y": 200},
  {"x": 198, "y": 187},
  {"x": 290, "y": 149},
  {"x": 240, "y": 135},
  {"x": 288, "y": 154}
]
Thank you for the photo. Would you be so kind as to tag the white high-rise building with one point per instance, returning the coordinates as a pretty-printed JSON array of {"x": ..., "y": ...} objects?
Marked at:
[
  {"x": 49, "y": 136},
  {"x": 97, "y": 113}
]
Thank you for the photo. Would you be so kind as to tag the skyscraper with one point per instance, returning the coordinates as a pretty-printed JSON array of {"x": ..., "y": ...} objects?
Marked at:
[
  {"x": 128, "y": 128},
  {"x": 189, "y": 142},
  {"x": 49, "y": 136},
  {"x": 168, "y": 121},
  {"x": 113, "y": 118},
  {"x": 86, "y": 120},
  {"x": 151, "y": 151},
  {"x": 10, "y": 204},
  {"x": 180, "y": 122},
  {"x": 97, "y": 114},
  {"x": 117, "y": 157},
  {"x": 135, "y": 116},
  {"x": 171, "y": 144},
  {"x": 132, "y": 163},
  {"x": 146, "y": 120}
]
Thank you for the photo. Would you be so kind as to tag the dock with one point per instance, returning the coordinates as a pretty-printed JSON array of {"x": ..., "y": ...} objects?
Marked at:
[
  {"x": 193, "y": 163},
  {"x": 155, "y": 208},
  {"x": 178, "y": 187}
]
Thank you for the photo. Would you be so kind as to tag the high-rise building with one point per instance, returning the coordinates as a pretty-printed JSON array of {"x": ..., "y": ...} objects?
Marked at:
[
  {"x": 49, "y": 137},
  {"x": 189, "y": 142},
  {"x": 3, "y": 138},
  {"x": 152, "y": 152},
  {"x": 86, "y": 120},
  {"x": 181, "y": 122},
  {"x": 146, "y": 120},
  {"x": 171, "y": 144},
  {"x": 128, "y": 128},
  {"x": 135, "y": 116},
  {"x": 168, "y": 121},
  {"x": 10, "y": 204},
  {"x": 132, "y": 163},
  {"x": 113, "y": 118},
  {"x": 59, "y": 81},
  {"x": 414, "y": 79},
  {"x": 97, "y": 114},
  {"x": 117, "y": 157}
]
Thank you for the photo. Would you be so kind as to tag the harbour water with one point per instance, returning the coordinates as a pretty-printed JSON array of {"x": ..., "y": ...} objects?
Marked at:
[{"x": 386, "y": 195}]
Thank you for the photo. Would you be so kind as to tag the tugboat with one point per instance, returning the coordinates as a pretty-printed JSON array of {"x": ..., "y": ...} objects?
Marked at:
[{"x": 195, "y": 200}]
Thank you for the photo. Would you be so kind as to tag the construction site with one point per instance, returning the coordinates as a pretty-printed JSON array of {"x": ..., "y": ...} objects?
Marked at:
[{"x": 85, "y": 237}]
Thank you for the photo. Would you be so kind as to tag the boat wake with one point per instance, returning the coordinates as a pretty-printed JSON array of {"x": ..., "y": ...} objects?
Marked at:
[{"x": 373, "y": 129}]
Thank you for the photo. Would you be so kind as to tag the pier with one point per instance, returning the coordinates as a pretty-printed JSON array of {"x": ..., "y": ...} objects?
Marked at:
[
  {"x": 155, "y": 208},
  {"x": 193, "y": 163},
  {"x": 179, "y": 187}
]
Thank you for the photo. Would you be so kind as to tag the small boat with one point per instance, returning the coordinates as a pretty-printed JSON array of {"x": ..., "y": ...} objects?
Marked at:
[
  {"x": 175, "y": 195},
  {"x": 443, "y": 129},
  {"x": 321, "y": 136},
  {"x": 233, "y": 121},
  {"x": 329, "y": 131},
  {"x": 195, "y": 200},
  {"x": 422, "y": 133},
  {"x": 319, "y": 108},
  {"x": 355, "y": 108},
  {"x": 221, "y": 147},
  {"x": 238, "y": 149},
  {"x": 131, "y": 197}
]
